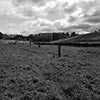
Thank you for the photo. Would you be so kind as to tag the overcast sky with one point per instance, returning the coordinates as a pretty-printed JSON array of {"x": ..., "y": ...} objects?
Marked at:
[{"x": 34, "y": 16}]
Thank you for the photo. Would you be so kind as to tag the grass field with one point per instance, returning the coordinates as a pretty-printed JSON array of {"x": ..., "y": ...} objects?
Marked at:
[{"x": 33, "y": 73}]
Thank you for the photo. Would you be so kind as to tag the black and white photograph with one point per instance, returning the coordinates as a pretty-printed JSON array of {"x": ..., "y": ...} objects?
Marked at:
[{"x": 49, "y": 49}]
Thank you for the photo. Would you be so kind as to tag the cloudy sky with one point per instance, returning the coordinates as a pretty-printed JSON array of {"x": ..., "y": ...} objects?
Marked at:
[{"x": 34, "y": 16}]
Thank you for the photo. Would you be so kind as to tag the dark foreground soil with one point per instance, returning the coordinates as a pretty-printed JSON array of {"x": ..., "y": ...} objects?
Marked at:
[{"x": 33, "y": 73}]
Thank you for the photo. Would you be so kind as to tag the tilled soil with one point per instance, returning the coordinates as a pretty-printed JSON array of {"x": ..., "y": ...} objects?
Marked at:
[{"x": 33, "y": 73}]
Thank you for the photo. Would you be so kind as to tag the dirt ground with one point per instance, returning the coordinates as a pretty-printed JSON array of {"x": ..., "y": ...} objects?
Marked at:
[{"x": 33, "y": 73}]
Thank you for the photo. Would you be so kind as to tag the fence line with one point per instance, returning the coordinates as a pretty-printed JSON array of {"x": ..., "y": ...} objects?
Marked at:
[
  {"x": 77, "y": 44},
  {"x": 68, "y": 44}
]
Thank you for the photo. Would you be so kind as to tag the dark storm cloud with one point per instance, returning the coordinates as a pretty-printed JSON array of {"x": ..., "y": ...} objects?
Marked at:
[
  {"x": 93, "y": 19},
  {"x": 82, "y": 26},
  {"x": 70, "y": 9},
  {"x": 72, "y": 28},
  {"x": 96, "y": 13},
  {"x": 72, "y": 19}
]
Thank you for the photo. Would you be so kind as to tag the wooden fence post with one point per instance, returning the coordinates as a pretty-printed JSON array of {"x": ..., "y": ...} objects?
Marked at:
[
  {"x": 30, "y": 43},
  {"x": 39, "y": 45},
  {"x": 59, "y": 50}
]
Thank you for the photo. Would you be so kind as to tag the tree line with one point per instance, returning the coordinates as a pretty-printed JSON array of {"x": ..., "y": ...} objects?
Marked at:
[{"x": 41, "y": 37}]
